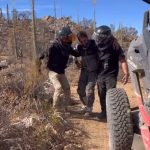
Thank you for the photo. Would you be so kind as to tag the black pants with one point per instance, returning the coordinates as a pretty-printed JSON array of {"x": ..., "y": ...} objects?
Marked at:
[{"x": 104, "y": 84}]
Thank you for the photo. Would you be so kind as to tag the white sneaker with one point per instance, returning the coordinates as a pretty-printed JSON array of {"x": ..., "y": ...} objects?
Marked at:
[
  {"x": 83, "y": 109},
  {"x": 88, "y": 112}
]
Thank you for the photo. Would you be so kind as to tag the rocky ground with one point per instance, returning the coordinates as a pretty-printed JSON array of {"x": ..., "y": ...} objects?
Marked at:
[{"x": 27, "y": 121}]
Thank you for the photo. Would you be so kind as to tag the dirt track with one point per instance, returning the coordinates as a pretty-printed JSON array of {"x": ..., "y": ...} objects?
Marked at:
[{"x": 96, "y": 137}]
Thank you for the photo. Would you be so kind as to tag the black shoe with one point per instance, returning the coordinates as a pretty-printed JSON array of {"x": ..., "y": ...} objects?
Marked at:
[{"x": 102, "y": 115}]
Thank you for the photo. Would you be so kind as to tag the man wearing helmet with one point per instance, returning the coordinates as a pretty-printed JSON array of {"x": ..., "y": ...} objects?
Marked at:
[
  {"x": 110, "y": 54},
  {"x": 57, "y": 62}
]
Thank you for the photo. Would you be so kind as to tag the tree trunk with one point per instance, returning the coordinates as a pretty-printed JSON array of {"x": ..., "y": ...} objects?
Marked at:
[
  {"x": 7, "y": 14},
  {"x": 1, "y": 13},
  {"x": 14, "y": 35},
  {"x": 34, "y": 33}
]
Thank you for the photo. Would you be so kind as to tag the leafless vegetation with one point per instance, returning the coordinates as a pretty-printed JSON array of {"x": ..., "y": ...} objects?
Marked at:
[{"x": 27, "y": 120}]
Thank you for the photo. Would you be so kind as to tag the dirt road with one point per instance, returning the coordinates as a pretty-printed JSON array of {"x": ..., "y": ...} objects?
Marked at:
[{"x": 96, "y": 137}]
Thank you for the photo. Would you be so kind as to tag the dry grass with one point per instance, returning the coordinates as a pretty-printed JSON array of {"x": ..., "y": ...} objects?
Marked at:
[{"x": 27, "y": 121}]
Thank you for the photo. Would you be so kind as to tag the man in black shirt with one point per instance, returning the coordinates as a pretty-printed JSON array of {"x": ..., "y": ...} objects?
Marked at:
[
  {"x": 110, "y": 54},
  {"x": 57, "y": 62},
  {"x": 88, "y": 76}
]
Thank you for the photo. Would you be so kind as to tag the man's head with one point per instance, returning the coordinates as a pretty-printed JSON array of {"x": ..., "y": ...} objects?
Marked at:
[
  {"x": 102, "y": 35},
  {"x": 82, "y": 37},
  {"x": 66, "y": 36}
]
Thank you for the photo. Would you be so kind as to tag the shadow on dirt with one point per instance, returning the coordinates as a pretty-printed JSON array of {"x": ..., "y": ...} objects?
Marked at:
[{"x": 75, "y": 112}]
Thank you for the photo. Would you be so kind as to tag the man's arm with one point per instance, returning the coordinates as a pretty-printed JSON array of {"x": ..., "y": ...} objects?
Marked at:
[
  {"x": 75, "y": 53},
  {"x": 125, "y": 70},
  {"x": 124, "y": 65}
]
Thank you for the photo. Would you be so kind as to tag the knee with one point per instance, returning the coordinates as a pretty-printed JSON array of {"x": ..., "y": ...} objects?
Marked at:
[
  {"x": 67, "y": 91},
  {"x": 90, "y": 89},
  {"x": 58, "y": 90},
  {"x": 90, "y": 92},
  {"x": 80, "y": 91}
]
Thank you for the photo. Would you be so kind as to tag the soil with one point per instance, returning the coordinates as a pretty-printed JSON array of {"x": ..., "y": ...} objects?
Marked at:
[{"x": 96, "y": 137}]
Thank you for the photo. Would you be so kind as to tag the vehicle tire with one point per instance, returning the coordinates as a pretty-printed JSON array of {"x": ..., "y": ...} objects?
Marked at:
[{"x": 119, "y": 120}]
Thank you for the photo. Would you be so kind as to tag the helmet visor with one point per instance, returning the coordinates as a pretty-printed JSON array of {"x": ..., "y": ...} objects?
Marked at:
[{"x": 99, "y": 38}]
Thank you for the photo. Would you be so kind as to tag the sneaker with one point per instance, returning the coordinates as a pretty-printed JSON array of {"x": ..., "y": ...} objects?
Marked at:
[
  {"x": 83, "y": 109},
  {"x": 102, "y": 115},
  {"x": 88, "y": 112}
]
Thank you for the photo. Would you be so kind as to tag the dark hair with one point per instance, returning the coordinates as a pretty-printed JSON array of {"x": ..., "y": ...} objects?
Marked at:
[{"x": 82, "y": 34}]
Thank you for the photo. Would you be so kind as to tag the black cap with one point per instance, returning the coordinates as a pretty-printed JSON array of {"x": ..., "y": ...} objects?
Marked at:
[{"x": 65, "y": 31}]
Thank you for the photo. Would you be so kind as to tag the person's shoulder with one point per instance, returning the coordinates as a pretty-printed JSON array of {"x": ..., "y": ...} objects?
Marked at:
[{"x": 55, "y": 45}]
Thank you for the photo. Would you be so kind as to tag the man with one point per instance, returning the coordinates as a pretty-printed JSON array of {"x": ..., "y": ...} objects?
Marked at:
[
  {"x": 110, "y": 54},
  {"x": 57, "y": 62},
  {"x": 88, "y": 76}
]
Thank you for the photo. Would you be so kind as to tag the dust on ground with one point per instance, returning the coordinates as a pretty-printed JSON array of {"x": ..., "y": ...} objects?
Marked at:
[{"x": 96, "y": 137}]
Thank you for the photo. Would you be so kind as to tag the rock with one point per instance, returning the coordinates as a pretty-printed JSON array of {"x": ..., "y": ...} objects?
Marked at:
[
  {"x": 59, "y": 147},
  {"x": 73, "y": 147},
  {"x": 78, "y": 133},
  {"x": 3, "y": 64},
  {"x": 50, "y": 127},
  {"x": 27, "y": 121},
  {"x": 69, "y": 133}
]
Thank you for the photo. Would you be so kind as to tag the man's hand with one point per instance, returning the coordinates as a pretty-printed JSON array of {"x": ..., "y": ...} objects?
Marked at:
[
  {"x": 125, "y": 78},
  {"x": 39, "y": 71},
  {"x": 125, "y": 70},
  {"x": 78, "y": 64}
]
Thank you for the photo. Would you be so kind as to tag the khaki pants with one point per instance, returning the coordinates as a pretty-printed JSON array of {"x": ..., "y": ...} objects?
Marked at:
[{"x": 62, "y": 88}]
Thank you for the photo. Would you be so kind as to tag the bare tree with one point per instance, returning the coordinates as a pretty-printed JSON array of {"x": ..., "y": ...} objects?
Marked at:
[
  {"x": 78, "y": 17},
  {"x": 86, "y": 23},
  {"x": 94, "y": 22},
  {"x": 1, "y": 13},
  {"x": 34, "y": 32},
  {"x": 55, "y": 17},
  {"x": 113, "y": 28},
  {"x": 15, "y": 14},
  {"x": 125, "y": 35},
  {"x": 7, "y": 13},
  {"x": 25, "y": 15},
  {"x": 14, "y": 32}
]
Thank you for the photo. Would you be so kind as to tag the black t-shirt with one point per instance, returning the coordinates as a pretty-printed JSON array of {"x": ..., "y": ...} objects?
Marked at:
[{"x": 109, "y": 60}]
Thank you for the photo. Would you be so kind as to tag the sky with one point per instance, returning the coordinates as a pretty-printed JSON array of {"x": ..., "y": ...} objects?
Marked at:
[{"x": 126, "y": 12}]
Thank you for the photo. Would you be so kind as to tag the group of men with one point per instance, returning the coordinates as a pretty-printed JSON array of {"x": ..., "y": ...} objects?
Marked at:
[{"x": 100, "y": 57}]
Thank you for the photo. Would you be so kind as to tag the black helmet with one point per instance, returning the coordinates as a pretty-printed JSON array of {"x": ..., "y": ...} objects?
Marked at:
[
  {"x": 105, "y": 30},
  {"x": 64, "y": 32},
  {"x": 102, "y": 35}
]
